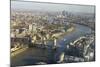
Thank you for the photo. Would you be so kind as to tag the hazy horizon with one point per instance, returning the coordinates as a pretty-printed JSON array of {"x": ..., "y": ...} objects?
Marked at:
[{"x": 41, "y": 6}]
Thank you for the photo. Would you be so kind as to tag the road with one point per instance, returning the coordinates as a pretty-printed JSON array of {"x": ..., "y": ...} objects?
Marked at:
[{"x": 33, "y": 56}]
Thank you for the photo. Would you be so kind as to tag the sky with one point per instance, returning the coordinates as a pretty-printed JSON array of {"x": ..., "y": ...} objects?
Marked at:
[{"x": 26, "y": 5}]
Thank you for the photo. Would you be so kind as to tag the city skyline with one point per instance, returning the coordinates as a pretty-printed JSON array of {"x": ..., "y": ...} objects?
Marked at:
[
  {"x": 22, "y": 5},
  {"x": 50, "y": 33}
]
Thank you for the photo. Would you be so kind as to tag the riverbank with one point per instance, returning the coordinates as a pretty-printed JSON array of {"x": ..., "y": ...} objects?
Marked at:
[
  {"x": 18, "y": 51},
  {"x": 93, "y": 28},
  {"x": 28, "y": 57},
  {"x": 72, "y": 29},
  {"x": 59, "y": 36}
]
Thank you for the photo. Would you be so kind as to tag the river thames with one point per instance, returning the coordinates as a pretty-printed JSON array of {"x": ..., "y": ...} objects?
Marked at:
[{"x": 34, "y": 56}]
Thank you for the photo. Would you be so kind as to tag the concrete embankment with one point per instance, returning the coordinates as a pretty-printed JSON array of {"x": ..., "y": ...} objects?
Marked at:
[
  {"x": 18, "y": 51},
  {"x": 70, "y": 30},
  {"x": 61, "y": 34}
]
